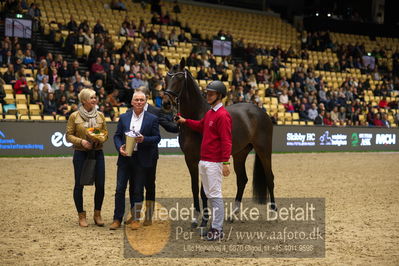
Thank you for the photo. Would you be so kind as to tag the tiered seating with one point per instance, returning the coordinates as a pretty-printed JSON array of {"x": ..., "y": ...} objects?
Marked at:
[
  {"x": 253, "y": 28},
  {"x": 61, "y": 11},
  {"x": 389, "y": 44}
]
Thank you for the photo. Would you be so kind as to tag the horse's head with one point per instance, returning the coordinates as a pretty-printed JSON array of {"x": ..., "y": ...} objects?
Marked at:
[{"x": 175, "y": 80}]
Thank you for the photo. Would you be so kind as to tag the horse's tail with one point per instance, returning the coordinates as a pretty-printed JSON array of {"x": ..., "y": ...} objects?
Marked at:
[{"x": 260, "y": 183}]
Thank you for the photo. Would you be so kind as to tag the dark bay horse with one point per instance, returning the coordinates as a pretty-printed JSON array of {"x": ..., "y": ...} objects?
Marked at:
[{"x": 252, "y": 128}]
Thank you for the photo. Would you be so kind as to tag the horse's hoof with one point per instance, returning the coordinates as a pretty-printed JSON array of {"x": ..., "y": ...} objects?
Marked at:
[
  {"x": 273, "y": 207},
  {"x": 203, "y": 223},
  {"x": 203, "y": 231},
  {"x": 230, "y": 220},
  {"x": 194, "y": 224}
]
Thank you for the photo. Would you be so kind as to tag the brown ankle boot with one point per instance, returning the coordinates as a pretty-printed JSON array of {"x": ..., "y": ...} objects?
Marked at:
[
  {"x": 97, "y": 218},
  {"x": 82, "y": 219},
  {"x": 136, "y": 214},
  {"x": 115, "y": 225},
  {"x": 149, "y": 210}
]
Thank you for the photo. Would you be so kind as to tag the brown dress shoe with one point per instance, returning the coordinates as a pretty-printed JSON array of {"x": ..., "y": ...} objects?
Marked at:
[
  {"x": 115, "y": 225},
  {"x": 82, "y": 219},
  {"x": 97, "y": 218},
  {"x": 135, "y": 225}
]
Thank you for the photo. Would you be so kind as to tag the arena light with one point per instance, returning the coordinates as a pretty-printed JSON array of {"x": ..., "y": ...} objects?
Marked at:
[
  {"x": 317, "y": 14},
  {"x": 328, "y": 14}
]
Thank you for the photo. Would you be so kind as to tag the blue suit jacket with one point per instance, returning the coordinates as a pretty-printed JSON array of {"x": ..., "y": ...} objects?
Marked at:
[{"x": 147, "y": 151}]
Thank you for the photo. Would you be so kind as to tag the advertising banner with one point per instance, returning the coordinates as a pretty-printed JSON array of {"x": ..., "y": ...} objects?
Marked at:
[
  {"x": 324, "y": 139},
  {"x": 36, "y": 138}
]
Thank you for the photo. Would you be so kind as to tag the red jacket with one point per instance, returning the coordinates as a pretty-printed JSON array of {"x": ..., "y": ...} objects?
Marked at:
[
  {"x": 19, "y": 86},
  {"x": 216, "y": 129}
]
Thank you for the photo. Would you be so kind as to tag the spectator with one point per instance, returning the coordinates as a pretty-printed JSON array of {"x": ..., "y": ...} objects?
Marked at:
[
  {"x": 159, "y": 58},
  {"x": 319, "y": 120},
  {"x": 88, "y": 37},
  {"x": 99, "y": 28},
  {"x": 113, "y": 99},
  {"x": 312, "y": 112},
  {"x": 334, "y": 115},
  {"x": 327, "y": 119},
  {"x": 9, "y": 75},
  {"x": 50, "y": 106},
  {"x": 60, "y": 92},
  {"x": 137, "y": 81},
  {"x": 72, "y": 25},
  {"x": 35, "y": 95},
  {"x": 377, "y": 120},
  {"x": 2, "y": 92},
  {"x": 283, "y": 98},
  {"x": 62, "y": 106},
  {"x": 21, "y": 86},
  {"x": 385, "y": 120},
  {"x": 97, "y": 70},
  {"x": 71, "y": 95},
  {"x": 383, "y": 103},
  {"x": 102, "y": 96},
  {"x": 303, "y": 115},
  {"x": 45, "y": 85},
  {"x": 118, "y": 5},
  {"x": 182, "y": 37},
  {"x": 342, "y": 115}
]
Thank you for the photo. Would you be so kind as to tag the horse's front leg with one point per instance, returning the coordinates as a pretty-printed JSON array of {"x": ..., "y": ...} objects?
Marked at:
[{"x": 193, "y": 169}]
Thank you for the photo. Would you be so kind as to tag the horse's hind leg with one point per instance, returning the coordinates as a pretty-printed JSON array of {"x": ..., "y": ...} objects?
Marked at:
[
  {"x": 239, "y": 168},
  {"x": 241, "y": 176},
  {"x": 205, "y": 215},
  {"x": 266, "y": 159}
]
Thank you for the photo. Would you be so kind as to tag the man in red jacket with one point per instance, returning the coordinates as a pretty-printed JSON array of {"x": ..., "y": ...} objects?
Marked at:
[{"x": 216, "y": 145}]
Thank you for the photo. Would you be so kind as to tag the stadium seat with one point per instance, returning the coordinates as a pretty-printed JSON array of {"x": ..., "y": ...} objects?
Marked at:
[
  {"x": 22, "y": 109},
  {"x": 8, "y": 89},
  {"x": 24, "y": 117},
  {"x": 10, "y": 117},
  {"x": 10, "y": 109},
  {"x": 20, "y": 98},
  {"x": 9, "y": 99},
  {"x": 36, "y": 117},
  {"x": 48, "y": 117},
  {"x": 122, "y": 110},
  {"x": 34, "y": 109}
]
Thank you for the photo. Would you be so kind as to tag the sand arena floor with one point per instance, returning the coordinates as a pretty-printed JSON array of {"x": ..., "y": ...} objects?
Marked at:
[{"x": 38, "y": 222}]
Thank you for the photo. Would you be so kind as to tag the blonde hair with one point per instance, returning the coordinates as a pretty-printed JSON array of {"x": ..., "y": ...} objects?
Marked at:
[{"x": 85, "y": 94}]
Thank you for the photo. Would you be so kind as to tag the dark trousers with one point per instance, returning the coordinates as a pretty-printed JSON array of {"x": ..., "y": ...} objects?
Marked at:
[
  {"x": 149, "y": 185},
  {"x": 129, "y": 171},
  {"x": 78, "y": 160}
]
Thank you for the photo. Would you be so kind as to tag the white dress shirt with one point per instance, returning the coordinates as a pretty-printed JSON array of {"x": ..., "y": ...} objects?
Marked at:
[{"x": 135, "y": 124}]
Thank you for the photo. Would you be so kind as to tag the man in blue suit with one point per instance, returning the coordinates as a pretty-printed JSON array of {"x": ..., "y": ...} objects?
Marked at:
[
  {"x": 136, "y": 168},
  {"x": 167, "y": 122}
]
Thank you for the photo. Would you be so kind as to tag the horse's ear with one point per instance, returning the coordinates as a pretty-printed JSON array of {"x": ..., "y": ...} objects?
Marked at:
[
  {"x": 167, "y": 63},
  {"x": 182, "y": 63}
]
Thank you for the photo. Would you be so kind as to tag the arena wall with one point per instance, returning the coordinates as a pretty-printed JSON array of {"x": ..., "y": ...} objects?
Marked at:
[{"x": 35, "y": 138}]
